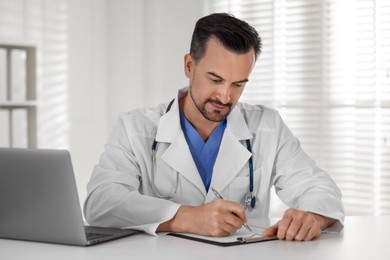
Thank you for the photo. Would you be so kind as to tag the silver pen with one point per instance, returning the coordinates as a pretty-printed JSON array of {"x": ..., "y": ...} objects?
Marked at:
[{"x": 219, "y": 196}]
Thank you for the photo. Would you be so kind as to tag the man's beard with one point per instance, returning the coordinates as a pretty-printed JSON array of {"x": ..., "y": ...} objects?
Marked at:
[{"x": 215, "y": 115}]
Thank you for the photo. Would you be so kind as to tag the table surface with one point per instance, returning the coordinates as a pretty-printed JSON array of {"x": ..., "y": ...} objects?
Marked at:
[{"x": 363, "y": 237}]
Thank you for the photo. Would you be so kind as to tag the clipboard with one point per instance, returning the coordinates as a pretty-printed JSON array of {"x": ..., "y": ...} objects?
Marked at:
[
  {"x": 241, "y": 237},
  {"x": 238, "y": 240}
]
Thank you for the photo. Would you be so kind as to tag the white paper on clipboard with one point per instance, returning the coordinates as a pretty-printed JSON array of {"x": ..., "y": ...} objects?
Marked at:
[{"x": 242, "y": 236}]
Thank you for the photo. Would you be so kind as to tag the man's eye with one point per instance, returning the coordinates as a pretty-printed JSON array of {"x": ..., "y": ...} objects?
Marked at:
[{"x": 216, "y": 81}]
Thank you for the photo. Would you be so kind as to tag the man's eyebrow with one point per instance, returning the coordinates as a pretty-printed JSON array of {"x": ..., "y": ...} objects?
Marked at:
[
  {"x": 215, "y": 75},
  {"x": 221, "y": 78}
]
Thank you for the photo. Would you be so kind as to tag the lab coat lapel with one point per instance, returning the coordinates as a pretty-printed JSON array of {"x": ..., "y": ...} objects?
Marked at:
[
  {"x": 177, "y": 155},
  {"x": 233, "y": 154}
]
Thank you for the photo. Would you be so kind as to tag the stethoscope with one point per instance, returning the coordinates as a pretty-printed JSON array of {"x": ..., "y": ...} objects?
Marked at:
[{"x": 250, "y": 200}]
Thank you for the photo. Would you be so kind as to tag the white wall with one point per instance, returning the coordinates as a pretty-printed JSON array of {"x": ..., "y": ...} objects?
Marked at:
[
  {"x": 87, "y": 86},
  {"x": 147, "y": 41},
  {"x": 122, "y": 55},
  {"x": 125, "y": 47},
  {"x": 170, "y": 25}
]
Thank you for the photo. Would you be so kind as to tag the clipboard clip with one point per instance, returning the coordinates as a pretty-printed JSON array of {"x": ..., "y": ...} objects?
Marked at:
[{"x": 254, "y": 239}]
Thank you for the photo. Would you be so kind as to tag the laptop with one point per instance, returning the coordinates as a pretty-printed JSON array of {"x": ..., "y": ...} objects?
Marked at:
[{"x": 39, "y": 200}]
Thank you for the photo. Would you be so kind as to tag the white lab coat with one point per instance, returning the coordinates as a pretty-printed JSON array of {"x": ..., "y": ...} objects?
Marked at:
[{"x": 120, "y": 194}]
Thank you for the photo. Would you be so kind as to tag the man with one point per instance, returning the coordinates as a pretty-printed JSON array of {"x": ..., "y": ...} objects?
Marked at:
[{"x": 160, "y": 163}]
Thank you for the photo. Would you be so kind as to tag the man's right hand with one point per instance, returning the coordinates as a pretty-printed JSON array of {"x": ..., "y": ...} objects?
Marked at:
[{"x": 217, "y": 218}]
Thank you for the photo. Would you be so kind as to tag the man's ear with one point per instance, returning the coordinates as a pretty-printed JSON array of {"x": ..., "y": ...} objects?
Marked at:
[{"x": 189, "y": 63}]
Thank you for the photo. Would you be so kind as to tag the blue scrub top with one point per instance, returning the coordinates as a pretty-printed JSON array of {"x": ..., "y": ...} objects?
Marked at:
[{"x": 203, "y": 153}]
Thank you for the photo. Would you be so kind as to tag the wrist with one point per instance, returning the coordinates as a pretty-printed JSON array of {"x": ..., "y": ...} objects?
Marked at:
[
  {"x": 323, "y": 220},
  {"x": 179, "y": 222}
]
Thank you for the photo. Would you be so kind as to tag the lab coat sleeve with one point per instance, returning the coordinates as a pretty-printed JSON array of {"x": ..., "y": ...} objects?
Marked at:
[
  {"x": 299, "y": 182},
  {"x": 113, "y": 197}
]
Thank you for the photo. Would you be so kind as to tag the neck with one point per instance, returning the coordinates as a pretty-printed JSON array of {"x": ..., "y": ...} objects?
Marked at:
[{"x": 203, "y": 126}]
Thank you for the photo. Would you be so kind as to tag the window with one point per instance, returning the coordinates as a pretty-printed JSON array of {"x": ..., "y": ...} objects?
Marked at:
[{"x": 325, "y": 65}]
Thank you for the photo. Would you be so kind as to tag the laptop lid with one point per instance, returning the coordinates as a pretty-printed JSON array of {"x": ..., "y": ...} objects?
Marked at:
[{"x": 39, "y": 199}]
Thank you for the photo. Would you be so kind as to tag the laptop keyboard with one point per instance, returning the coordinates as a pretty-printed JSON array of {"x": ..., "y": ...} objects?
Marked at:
[{"x": 92, "y": 236}]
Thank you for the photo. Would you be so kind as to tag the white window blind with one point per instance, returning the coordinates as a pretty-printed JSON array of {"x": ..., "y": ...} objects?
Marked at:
[{"x": 325, "y": 65}]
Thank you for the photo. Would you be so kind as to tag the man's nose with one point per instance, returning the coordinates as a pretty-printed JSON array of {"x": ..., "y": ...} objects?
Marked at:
[{"x": 223, "y": 93}]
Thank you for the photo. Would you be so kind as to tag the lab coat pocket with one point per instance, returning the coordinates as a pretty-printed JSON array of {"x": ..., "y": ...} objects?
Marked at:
[{"x": 238, "y": 189}]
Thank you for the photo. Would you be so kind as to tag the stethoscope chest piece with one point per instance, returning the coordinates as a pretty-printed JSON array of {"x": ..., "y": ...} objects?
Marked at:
[{"x": 250, "y": 201}]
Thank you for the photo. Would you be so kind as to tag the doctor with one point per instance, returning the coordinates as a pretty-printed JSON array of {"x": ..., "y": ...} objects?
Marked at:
[{"x": 160, "y": 163}]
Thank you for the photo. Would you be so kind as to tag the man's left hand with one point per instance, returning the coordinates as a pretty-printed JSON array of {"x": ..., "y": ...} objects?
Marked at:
[{"x": 299, "y": 225}]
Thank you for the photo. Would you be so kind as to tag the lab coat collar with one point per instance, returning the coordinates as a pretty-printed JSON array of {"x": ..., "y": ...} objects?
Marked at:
[
  {"x": 237, "y": 125},
  {"x": 169, "y": 125}
]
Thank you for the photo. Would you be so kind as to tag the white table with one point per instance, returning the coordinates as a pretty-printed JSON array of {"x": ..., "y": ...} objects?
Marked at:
[{"x": 365, "y": 238}]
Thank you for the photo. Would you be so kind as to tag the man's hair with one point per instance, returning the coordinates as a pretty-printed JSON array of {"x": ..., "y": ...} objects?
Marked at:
[{"x": 234, "y": 34}]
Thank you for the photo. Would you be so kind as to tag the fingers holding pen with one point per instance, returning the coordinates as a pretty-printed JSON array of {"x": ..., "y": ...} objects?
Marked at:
[
  {"x": 237, "y": 209},
  {"x": 230, "y": 215},
  {"x": 222, "y": 217}
]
